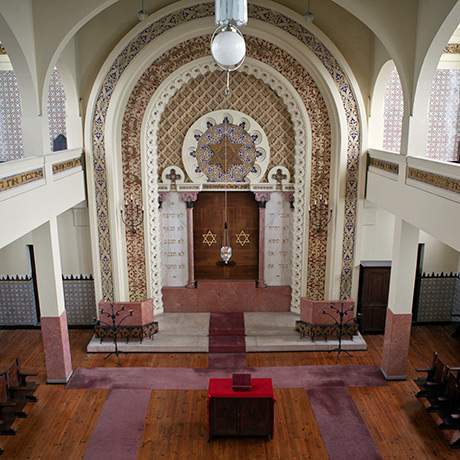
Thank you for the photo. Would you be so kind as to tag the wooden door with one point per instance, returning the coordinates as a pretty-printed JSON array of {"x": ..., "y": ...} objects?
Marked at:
[
  {"x": 374, "y": 285},
  {"x": 243, "y": 226}
]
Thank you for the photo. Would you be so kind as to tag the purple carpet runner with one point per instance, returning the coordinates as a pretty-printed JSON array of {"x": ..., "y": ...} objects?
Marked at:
[
  {"x": 120, "y": 426},
  {"x": 342, "y": 428},
  {"x": 226, "y": 333}
]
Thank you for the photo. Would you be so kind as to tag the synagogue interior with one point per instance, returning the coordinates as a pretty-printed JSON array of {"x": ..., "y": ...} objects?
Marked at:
[{"x": 229, "y": 229}]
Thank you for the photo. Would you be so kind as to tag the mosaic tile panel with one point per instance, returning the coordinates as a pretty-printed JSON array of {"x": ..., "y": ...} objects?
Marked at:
[
  {"x": 11, "y": 145},
  {"x": 266, "y": 15},
  {"x": 205, "y": 94},
  {"x": 321, "y": 133},
  {"x": 80, "y": 302},
  {"x": 17, "y": 302},
  {"x": 437, "y": 299},
  {"x": 56, "y": 107}
]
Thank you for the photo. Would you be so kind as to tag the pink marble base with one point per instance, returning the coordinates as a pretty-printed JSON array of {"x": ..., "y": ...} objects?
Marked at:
[
  {"x": 226, "y": 296},
  {"x": 311, "y": 311},
  {"x": 396, "y": 345},
  {"x": 55, "y": 337},
  {"x": 142, "y": 312}
]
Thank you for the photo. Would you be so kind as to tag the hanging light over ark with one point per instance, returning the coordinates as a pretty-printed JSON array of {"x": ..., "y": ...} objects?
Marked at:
[
  {"x": 228, "y": 46},
  {"x": 228, "y": 49}
]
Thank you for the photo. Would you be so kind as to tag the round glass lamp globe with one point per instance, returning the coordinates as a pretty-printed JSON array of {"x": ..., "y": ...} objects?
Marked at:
[{"x": 228, "y": 48}]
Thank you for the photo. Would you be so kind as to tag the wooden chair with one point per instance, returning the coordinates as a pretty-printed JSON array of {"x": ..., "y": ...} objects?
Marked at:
[
  {"x": 7, "y": 409},
  {"x": 18, "y": 386},
  {"x": 434, "y": 384},
  {"x": 449, "y": 405}
]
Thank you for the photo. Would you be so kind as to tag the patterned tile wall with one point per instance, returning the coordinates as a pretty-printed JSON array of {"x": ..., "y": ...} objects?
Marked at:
[
  {"x": 11, "y": 146},
  {"x": 444, "y": 115},
  {"x": 17, "y": 302},
  {"x": 205, "y": 94},
  {"x": 56, "y": 107},
  {"x": 439, "y": 298},
  {"x": 80, "y": 302}
]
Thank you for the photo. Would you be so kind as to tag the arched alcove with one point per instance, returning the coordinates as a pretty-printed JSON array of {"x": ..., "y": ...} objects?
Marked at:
[{"x": 387, "y": 110}]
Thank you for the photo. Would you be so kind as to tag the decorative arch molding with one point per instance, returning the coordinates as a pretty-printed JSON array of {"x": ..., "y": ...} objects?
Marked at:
[
  {"x": 303, "y": 153},
  {"x": 161, "y": 22}
]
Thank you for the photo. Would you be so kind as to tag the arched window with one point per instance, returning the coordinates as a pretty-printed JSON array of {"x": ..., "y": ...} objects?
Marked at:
[
  {"x": 11, "y": 143},
  {"x": 393, "y": 112},
  {"x": 444, "y": 108},
  {"x": 57, "y": 112}
]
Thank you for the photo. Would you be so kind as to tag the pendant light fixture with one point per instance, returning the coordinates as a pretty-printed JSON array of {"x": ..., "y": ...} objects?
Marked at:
[
  {"x": 228, "y": 46},
  {"x": 226, "y": 249}
]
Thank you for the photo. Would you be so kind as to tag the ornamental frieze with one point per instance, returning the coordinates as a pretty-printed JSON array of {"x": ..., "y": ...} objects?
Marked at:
[
  {"x": 68, "y": 164},
  {"x": 386, "y": 166},
  {"x": 446, "y": 183},
  {"x": 7, "y": 183}
]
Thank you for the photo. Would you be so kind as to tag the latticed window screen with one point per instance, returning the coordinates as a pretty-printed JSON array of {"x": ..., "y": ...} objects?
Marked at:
[{"x": 444, "y": 115}]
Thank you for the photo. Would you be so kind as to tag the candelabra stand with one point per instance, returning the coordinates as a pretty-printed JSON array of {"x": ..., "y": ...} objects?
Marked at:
[
  {"x": 342, "y": 312},
  {"x": 133, "y": 215},
  {"x": 114, "y": 325},
  {"x": 320, "y": 214}
]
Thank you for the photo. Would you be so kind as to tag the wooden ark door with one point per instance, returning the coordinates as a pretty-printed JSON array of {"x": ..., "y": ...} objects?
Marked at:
[{"x": 208, "y": 226}]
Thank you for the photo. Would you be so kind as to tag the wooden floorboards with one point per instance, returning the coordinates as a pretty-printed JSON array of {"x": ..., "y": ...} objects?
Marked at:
[{"x": 60, "y": 424}]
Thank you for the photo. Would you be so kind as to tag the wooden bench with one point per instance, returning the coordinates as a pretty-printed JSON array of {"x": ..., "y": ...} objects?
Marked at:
[
  {"x": 18, "y": 386},
  {"x": 441, "y": 389}
]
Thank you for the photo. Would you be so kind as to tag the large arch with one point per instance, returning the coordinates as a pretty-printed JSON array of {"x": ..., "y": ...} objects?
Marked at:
[
  {"x": 165, "y": 20},
  {"x": 422, "y": 90}
]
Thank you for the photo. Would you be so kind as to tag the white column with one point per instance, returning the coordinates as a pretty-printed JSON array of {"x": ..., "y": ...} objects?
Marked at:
[
  {"x": 53, "y": 319},
  {"x": 35, "y": 135},
  {"x": 400, "y": 298},
  {"x": 405, "y": 246}
]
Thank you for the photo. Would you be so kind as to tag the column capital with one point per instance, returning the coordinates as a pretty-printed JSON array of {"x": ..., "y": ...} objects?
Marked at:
[
  {"x": 189, "y": 198},
  {"x": 262, "y": 198}
]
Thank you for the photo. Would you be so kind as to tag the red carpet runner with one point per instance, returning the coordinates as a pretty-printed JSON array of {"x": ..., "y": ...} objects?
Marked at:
[{"x": 226, "y": 333}]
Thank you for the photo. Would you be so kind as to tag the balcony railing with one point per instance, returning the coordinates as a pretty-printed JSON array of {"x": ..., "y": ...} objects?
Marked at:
[{"x": 30, "y": 173}]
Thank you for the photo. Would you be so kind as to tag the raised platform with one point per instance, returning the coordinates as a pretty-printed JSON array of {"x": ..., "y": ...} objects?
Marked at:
[
  {"x": 188, "y": 333},
  {"x": 226, "y": 296}
]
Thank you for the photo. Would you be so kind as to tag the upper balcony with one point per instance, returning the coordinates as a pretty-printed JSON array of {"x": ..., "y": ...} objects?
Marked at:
[
  {"x": 424, "y": 192},
  {"x": 35, "y": 188}
]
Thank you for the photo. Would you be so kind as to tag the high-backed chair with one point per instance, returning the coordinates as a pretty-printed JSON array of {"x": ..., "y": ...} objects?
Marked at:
[{"x": 18, "y": 386}]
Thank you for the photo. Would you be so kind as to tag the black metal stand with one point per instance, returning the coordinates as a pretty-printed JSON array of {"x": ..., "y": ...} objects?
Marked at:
[
  {"x": 342, "y": 312},
  {"x": 456, "y": 333},
  {"x": 114, "y": 326}
]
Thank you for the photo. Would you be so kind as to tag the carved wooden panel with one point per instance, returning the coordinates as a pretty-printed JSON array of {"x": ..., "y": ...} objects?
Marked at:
[{"x": 208, "y": 227}]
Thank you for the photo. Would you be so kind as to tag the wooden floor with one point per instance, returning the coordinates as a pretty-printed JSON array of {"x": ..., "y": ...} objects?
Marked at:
[{"x": 60, "y": 424}]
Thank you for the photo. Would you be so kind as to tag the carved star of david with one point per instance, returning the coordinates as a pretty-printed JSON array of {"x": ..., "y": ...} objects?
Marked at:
[
  {"x": 242, "y": 238},
  {"x": 218, "y": 158},
  {"x": 209, "y": 238}
]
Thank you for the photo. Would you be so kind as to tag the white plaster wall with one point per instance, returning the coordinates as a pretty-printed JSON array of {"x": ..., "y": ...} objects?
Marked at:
[
  {"x": 74, "y": 241},
  {"x": 438, "y": 256},
  {"x": 376, "y": 243},
  {"x": 377, "y": 231},
  {"x": 14, "y": 258}
]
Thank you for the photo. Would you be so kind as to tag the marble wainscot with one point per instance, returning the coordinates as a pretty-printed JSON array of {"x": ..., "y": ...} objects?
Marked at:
[
  {"x": 311, "y": 311},
  {"x": 142, "y": 312}
]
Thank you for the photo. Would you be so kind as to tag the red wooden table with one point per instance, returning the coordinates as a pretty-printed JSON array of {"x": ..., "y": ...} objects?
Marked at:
[{"x": 241, "y": 413}]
